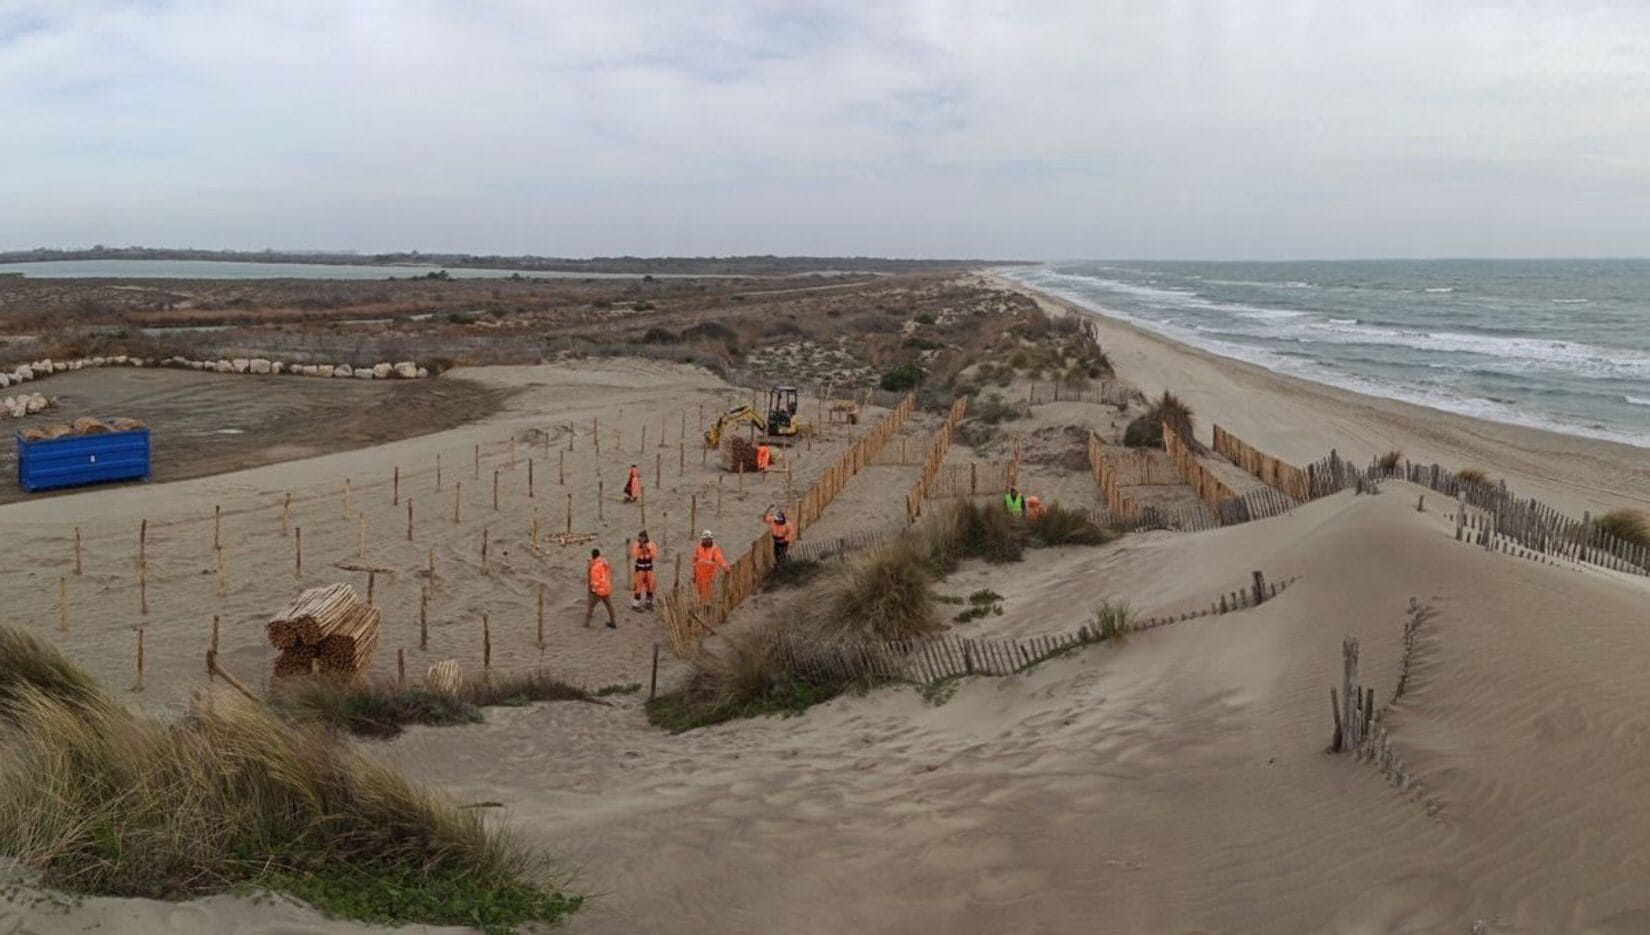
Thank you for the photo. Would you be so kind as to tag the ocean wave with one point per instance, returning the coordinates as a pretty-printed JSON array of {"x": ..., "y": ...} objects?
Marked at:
[
  {"x": 1439, "y": 289},
  {"x": 1275, "y": 284},
  {"x": 1518, "y": 354},
  {"x": 1343, "y": 321},
  {"x": 1572, "y": 301}
]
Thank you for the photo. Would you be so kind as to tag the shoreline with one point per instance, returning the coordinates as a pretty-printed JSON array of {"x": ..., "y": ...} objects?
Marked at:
[{"x": 1301, "y": 420}]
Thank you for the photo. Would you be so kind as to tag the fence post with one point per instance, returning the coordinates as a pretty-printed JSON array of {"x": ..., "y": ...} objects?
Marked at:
[{"x": 1351, "y": 695}]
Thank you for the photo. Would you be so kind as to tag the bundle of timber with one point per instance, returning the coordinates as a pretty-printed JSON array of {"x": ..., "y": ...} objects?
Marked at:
[
  {"x": 326, "y": 630},
  {"x": 738, "y": 453},
  {"x": 445, "y": 677}
]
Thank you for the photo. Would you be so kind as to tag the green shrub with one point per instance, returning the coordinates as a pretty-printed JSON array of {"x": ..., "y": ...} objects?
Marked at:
[
  {"x": 902, "y": 378},
  {"x": 925, "y": 319},
  {"x": 1472, "y": 475},
  {"x": 1143, "y": 432},
  {"x": 750, "y": 674},
  {"x": 382, "y": 710},
  {"x": 1171, "y": 409}
]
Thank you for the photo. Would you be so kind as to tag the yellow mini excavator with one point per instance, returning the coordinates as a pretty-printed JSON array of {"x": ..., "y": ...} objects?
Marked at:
[{"x": 781, "y": 427}]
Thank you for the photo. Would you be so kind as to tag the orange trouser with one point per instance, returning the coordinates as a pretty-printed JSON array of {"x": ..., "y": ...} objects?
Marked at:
[
  {"x": 642, "y": 581},
  {"x": 704, "y": 582}
]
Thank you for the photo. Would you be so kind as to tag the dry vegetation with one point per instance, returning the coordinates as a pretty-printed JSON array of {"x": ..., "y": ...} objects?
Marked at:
[{"x": 99, "y": 800}]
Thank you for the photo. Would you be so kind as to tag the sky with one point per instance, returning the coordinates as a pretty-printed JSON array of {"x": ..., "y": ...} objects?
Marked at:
[{"x": 1037, "y": 130}]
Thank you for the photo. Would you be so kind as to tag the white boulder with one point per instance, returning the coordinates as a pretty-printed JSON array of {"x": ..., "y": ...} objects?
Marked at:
[
  {"x": 406, "y": 370},
  {"x": 323, "y": 370},
  {"x": 343, "y": 370},
  {"x": 224, "y": 366},
  {"x": 276, "y": 367},
  {"x": 5, "y": 381},
  {"x": 24, "y": 374},
  {"x": 241, "y": 364},
  {"x": 365, "y": 373},
  {"x": 258, "y": 365},
  {"x": 381, "y": 371},
  {"x": 100, "y": 361},
  {"x": 60, "y": 366},
  {"x": 35, "y": 403},
  {"x": 120, "y": 360},
  {"x": 422, "y": 373}
]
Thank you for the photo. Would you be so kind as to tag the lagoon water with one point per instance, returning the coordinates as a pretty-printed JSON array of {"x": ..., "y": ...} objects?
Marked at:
[
  {"x": 1557, "y": 344},
  {"x": 221, "y": 269}
]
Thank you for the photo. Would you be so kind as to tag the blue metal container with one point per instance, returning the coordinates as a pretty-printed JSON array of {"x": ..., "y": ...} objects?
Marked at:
[{"x": 82, "y": 459}]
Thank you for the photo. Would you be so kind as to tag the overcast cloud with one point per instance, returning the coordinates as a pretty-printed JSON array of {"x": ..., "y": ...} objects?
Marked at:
[{"x": 1047, "y": 130}]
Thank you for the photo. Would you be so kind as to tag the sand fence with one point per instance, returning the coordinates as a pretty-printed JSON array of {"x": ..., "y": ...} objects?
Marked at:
[{"x": 687, "y": 620}]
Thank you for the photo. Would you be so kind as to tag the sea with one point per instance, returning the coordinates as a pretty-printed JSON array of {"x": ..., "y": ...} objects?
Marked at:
[{"x": 1555, "y": 344}]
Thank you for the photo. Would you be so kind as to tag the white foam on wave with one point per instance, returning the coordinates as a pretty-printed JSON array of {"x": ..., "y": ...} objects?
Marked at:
[
  {"x": 1571, "y": 301},
  {"x": 1439, "y": 289},
  {"x": 1635, "y": 400}
]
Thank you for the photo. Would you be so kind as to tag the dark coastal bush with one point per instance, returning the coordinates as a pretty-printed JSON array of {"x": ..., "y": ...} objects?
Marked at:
[
  {"x": 904, "y": 377},
  {"x": 1627, "y": 525},
  {"x": 1143, "y": 432},
  {"x": 660, "y": 336}
]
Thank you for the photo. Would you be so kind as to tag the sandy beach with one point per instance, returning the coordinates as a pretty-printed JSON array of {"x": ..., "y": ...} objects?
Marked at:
[{"x": 1300, "y": 421}]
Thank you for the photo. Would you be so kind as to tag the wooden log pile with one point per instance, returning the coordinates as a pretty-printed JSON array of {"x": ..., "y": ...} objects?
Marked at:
[{"x": 325, "y": 631}]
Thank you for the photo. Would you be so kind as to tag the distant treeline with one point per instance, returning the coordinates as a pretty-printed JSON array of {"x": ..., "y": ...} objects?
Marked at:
[{"x": 734, "y": 265}]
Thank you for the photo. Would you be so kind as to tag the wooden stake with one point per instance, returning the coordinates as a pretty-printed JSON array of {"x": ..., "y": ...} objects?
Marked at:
[
  {"x": 662, "y": 430},
  {"x": 718, "y": 496},
  {"x": 217, "y": 526},
  {"x": 438, "y": 472},
  {"x": 298, "y": 551},
  {"x": 601, "y": 500},
  {"x": 218, "y": 554},
  {"x": 678, "y": 571},
  {"x": 495, "y": 491},
  {"x": 642, "y": 448},
  {"x": 372, "y": 585},
  {"x": 63, "y": 604},
  {"x": 409, "y": 520},
  {"x": 485, "y": 569},
  {"x": 346, "y": 498},
  {"x": 139, "y": 686},
  {"x": 596, "y": 435},
  {"x": 653, "y": 683},
  {"x": 533, "y": 529},
  {"x": 693, "y": 515},
  {"x": 486, "y": 646},
  {"x": 286, "y": 515},
  {"x": 361, "y": 536},
  {"x": 642, "y": 502},
  {"x": 541, "y": 619},
  {"x": 432, "y": 566},
  {"x": 214, "y": 632},
  {"x": 400, "y": 668},
  {"x": 143, "y": 543},
  {"x": 79, "y": 566},
  {"x": 570, "y": 507},
  {"x": 424, "y": 617},
  {"x": 658, "y": 471},
  {"x": 529, "y": 478},
  {"x": 216, "y": 668},
  {"x": 395, "y": 487},
  {"x": 561, "y": 468},
  {"x": 143, "y": 588},
  {"x": 478, "y": 462}
]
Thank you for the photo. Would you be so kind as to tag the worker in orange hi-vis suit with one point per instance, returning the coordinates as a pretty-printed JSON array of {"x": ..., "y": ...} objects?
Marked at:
[
  {"x": 599, "y": 574},
  {"x": 707, "y": 558},
  {"x": 783, "y": 532},
  {"x": 764, "y": 457},
  {"x": 643, "y": 553},
  {"x": 633, "y": 485}
]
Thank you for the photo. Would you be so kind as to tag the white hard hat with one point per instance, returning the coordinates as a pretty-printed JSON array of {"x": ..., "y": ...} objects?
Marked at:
[{"x": 706, "y": 535}]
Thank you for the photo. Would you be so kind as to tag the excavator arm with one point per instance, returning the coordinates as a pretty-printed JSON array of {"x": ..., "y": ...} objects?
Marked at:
[{"x": 733, "y": 418}]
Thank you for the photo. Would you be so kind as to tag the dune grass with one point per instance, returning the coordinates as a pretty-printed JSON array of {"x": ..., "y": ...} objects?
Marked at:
[
  {"x": 1629, "y": 526},
  {"x": 1146, "y": 430},
  {"x": 747, "y": 675},
  {"x": 1472, "y": 475},
  {"x": 1057, "y": 525},
  {"x": 100, "y": 800},
  {"x": 377, "y": 709}
]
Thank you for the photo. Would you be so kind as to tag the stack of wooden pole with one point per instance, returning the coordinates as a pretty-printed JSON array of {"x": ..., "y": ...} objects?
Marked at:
[{"x": 325, "y": 631}]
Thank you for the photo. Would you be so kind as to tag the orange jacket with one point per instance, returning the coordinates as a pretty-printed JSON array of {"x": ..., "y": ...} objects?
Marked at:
[
  {"x": 764, "y": 457},
  {"x": 782, "y": 532},
  {"x": 644, "y": 556},
  {"x": 707, "y": 558},
  {"x": 600, "y": 575},
  {"x": 633, "y": 483}
]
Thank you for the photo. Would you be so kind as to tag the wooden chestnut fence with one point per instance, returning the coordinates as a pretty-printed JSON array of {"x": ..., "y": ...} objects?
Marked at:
[{"x": 934, "y": 458}]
